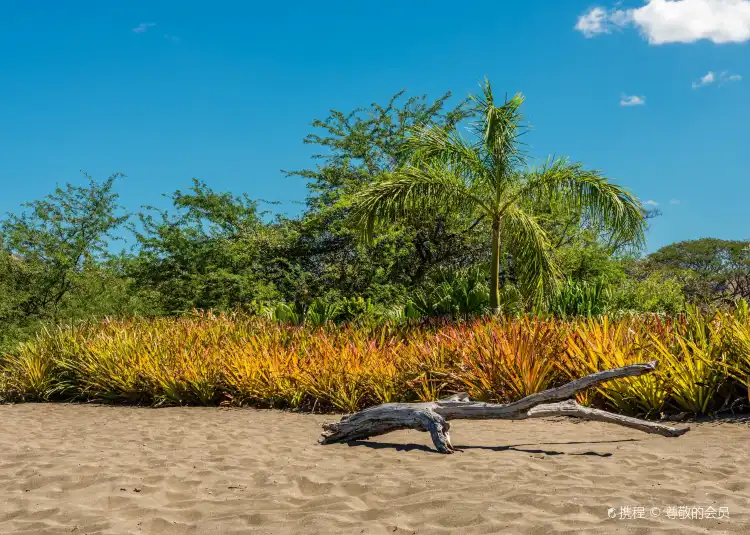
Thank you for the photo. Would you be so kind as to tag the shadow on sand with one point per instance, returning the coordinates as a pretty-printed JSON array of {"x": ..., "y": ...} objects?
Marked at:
[{"x": 513, "y": 447}]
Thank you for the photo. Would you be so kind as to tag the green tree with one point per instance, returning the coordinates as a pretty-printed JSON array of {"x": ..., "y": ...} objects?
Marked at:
[
  {"x": 212, "y": 250},
  {"x": 488, "y": 178},
  {"x": 326, "y": 257},
  {"x": 48, "y": 247},
  {"x": 104, "y": 289},
  {"x": 711, "y": 269},
  {"x": 656, "y": 292}
]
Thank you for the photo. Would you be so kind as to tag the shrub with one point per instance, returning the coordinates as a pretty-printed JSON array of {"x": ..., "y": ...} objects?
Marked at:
[{"x": 237, "y": 359}]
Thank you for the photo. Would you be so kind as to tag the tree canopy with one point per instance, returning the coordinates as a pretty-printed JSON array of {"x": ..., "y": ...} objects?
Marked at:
[
  {"x": 711, "y": 269},
  {"x": 455, "y": 225},
  {"x": 487, "y": 178}
]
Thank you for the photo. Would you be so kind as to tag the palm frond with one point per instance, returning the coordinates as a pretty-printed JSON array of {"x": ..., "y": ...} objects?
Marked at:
[
  {"x": 499, "y": 128},
  {"x": 594, "y": 196},
  {"x": 530, "y": 246},
  {"x": 430, "y": 188},
  {"x": 433, "y": 143}
]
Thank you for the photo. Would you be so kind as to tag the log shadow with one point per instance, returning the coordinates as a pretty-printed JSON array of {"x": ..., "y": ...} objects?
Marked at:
[
  {"x": 575, "y": 442},
  {"x": 533, "y": 451},
  {"x": 390, "y": 445},
  {"x": 514, "y": 447}
]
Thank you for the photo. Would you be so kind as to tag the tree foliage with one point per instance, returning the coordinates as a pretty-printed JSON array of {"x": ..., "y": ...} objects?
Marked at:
[
  {"x": 710, "y": 269},
  {"x": 211, "y": 250},
  {"x": 487, "y": 178},
  {"x": 457, "y": 226},
  {"x": 326, "y": 255},
  {"x": 55, "y": 261}
]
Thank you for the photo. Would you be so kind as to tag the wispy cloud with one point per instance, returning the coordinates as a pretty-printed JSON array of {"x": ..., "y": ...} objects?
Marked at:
[
  {"x": 651, "y": 203},
  {"x": 594, "y": 22},
  {"x": 599, "y": 20},
  {"x": 674, "y": 201},
  {"x": 706, "y": 79},
  {"x": 726, "y": 77},
  {"x": 143, "y": 27},
  {"x": 172, "y": 38},
  {"x": 674, "y": 21},
  {"x": 710, "y": 77},
  {"x": 632, "y": 100}
]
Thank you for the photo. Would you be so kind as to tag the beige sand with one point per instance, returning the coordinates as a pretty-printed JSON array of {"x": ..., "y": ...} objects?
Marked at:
[{"x": 96, "y": 469}]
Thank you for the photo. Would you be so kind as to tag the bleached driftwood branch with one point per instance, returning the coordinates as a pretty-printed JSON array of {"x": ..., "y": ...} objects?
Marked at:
[{"x": 433, "y": 417}]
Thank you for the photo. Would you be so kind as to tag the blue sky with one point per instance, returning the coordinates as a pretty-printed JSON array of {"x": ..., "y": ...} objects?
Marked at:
[{"x": 224, "y": 91}]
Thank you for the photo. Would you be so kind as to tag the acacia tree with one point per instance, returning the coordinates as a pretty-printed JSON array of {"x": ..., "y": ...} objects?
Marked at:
[
  {"x": 212, "y": 250},
  {"x": 487, "y": 176},
  {"x": 326, "y": 259},
  {"x": 53, "y": 244},
  {"x": 711, "y": 269}
]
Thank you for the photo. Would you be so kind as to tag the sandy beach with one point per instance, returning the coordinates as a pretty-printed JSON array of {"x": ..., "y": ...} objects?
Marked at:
[{"x": 90, "y": 469}]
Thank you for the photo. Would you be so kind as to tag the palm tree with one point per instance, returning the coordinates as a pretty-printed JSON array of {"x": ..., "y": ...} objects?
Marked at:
[{"x": 488, "y": 178}]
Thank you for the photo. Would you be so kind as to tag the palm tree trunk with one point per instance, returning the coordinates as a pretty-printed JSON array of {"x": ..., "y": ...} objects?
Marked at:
[{"x": 495, "y": 267}]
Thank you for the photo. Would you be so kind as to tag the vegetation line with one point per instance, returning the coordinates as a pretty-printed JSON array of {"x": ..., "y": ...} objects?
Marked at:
[{"x": 434, "y": 253}]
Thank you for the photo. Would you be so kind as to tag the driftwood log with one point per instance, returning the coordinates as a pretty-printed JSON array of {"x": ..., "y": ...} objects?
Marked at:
[{"x": 432, "y": 417}]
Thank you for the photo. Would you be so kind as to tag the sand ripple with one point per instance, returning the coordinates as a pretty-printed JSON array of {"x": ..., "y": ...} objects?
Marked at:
[{"x": 115, "y": 470}]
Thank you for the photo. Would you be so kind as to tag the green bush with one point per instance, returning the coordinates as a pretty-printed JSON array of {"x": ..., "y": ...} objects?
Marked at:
[{"x": 656, "y": 293}]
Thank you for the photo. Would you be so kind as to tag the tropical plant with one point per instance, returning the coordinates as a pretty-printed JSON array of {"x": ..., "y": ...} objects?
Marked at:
[
  {"x": 696, "y": 372},
  {"x": 512, "y": 362},
  {"x": 740, "y": 345},
  {"x": 281, "y": 312},
  {"x": 580, "y": 298},
  {"x": 595, "y": 345},
  {"x": 488, "y": 178},
  {"x": 28, "y": 373},
  {"x": 239, "y": 359},
  {"x": 321, "y": 313},
  {"x": 456, "y": 294}
]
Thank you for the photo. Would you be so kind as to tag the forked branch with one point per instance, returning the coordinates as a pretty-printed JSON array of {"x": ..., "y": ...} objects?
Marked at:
[{"x": 432, "y": 417}]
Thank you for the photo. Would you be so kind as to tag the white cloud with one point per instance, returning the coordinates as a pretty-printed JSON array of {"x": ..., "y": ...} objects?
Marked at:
[
  {"x": 706, "y": 79},
  {"x": 632, "y": 100},
  {"x": 674, "y": 201},
  {"x": 599, "y": 20},
  {"x": 675, "y": 21},
  {"x": 143, "y": 27},
  {"x": 710, "y": 77},
  {"x": 594, "y": 22},
  {"x": 651, "y": 203}
]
